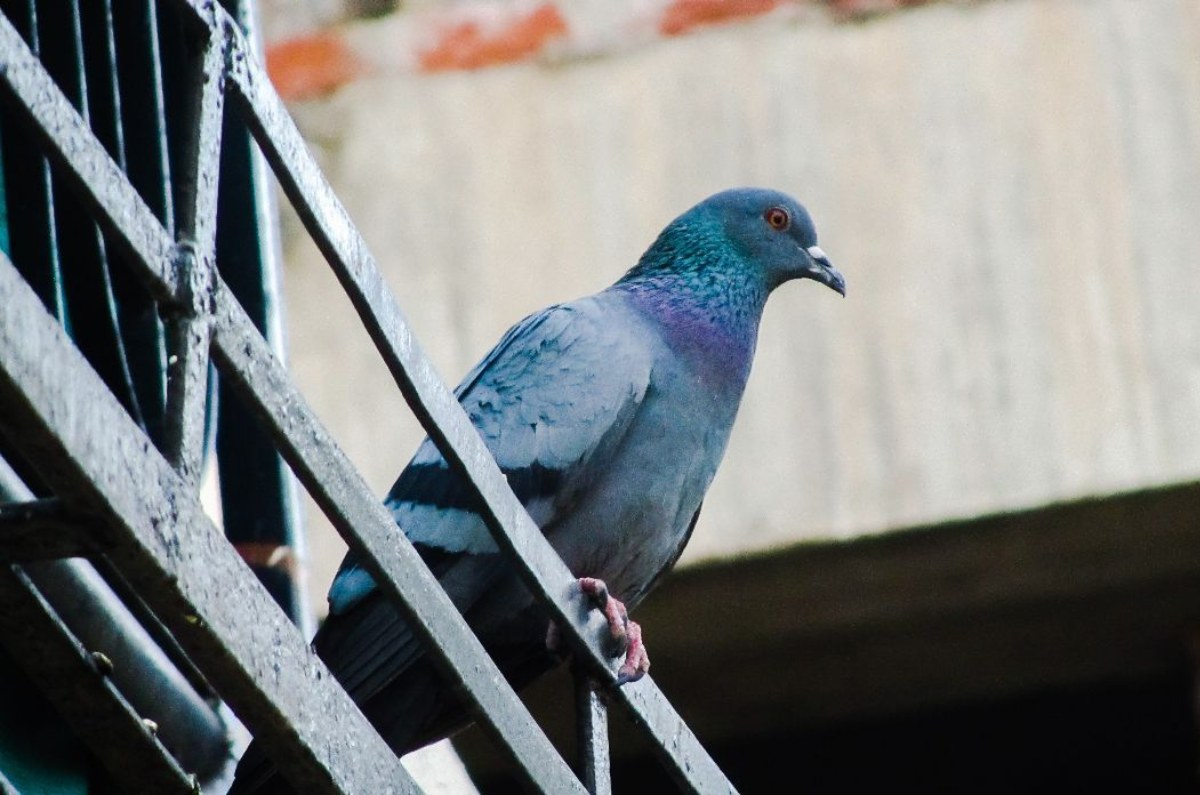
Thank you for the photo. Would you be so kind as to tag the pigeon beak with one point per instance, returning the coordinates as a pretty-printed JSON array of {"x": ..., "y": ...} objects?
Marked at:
[{"x": 821, "y": 270}]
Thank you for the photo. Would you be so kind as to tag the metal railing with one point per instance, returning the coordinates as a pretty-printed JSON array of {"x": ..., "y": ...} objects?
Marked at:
[{"x": 118, "y": 492}]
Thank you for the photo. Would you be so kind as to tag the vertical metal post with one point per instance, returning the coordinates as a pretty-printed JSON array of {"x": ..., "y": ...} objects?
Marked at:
[
  {"x": 591, "y": 733},
  {"x": 33, "y": 235},
  {"x": 134, "y": 74},
  {"x": 188, "y": 327},
  {"x": 260, "y": 502}
]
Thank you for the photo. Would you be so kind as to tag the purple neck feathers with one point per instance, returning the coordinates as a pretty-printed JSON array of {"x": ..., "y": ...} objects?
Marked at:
[{"x": 714, "y": 324}]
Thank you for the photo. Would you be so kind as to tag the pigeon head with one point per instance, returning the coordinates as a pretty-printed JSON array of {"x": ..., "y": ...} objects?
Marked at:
[
  {"x": 761, "y": 237},
  {"x": 774, "y": 235}
]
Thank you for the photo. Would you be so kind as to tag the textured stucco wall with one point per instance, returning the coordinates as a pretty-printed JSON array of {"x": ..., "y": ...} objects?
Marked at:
[{"x": 1012, "y": 189}]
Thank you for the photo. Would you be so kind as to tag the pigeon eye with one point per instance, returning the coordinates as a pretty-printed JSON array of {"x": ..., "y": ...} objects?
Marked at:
[{"x": 778, "y": 218}]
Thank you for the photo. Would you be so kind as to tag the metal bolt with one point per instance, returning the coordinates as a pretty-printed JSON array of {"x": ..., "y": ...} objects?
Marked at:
[{"x": 102, "y": 662}]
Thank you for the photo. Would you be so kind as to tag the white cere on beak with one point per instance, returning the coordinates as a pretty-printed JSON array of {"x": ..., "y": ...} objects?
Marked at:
[{"x": 816, "y": 253}]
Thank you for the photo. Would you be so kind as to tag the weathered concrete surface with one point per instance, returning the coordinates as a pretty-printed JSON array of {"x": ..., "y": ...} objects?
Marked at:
[{"x": 1012, "y": 189}]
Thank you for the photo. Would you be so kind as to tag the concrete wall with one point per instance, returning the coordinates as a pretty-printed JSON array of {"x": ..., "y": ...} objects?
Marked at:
[{"x": 1012, "y": 190}]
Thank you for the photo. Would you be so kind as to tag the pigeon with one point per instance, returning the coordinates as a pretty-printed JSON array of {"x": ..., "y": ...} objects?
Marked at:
[{"x": 608, "y": 415}]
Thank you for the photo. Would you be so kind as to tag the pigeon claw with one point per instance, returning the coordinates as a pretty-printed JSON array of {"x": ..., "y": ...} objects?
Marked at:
[
  {"x": 614, "y": 612},
  {"x": 626, "y": 635},
  {"x": 637, "y": 661}
]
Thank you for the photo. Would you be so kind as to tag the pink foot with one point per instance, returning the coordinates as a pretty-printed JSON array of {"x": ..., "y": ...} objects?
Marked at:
[{"x": 626, "y": 634}]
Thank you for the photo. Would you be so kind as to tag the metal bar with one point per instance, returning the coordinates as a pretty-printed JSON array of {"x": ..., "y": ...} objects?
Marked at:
[
  {"x": 77, "y": 684},
  {"x": 88, "y": 449},
  {"x": 675, "y": 744},
  {"x": 188, "y": 724},
  {"x": 99, "y": 180},
  {"x": 134, "y": 75},
  {"x": 196, "y": 197},
  {"x": 47, "y": 530},
  {"x": 100, "y": 57},
  {"x": 117, "y": 348},
  {"x": 35, "y": 234},
  {"x": 189, "y": 328},
  {"x": 139, "y": 66},
  {"x": 358, "y": 514},
  {"x": 188, "y": 337},
  {"x": 12, "y": 488},
  {"x": 447, "y": 424},
  {"x": 259, "y": 494},
  {"x": 591, "y": 735}
]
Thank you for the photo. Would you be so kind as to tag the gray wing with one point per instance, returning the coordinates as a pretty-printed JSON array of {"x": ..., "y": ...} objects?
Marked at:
[{"x": 552, "y": 400}]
